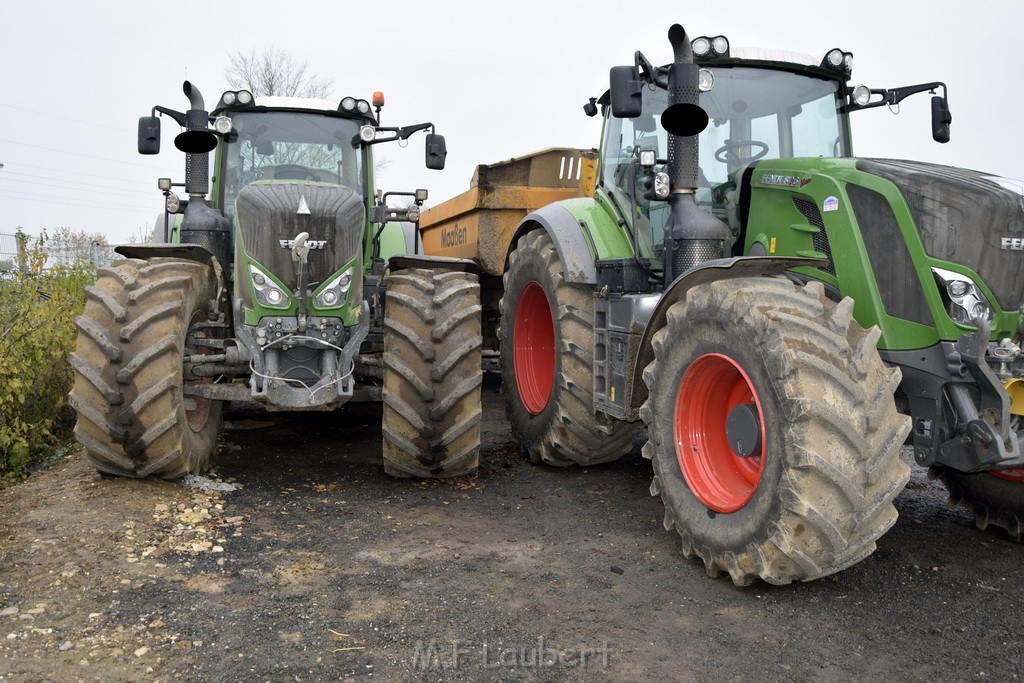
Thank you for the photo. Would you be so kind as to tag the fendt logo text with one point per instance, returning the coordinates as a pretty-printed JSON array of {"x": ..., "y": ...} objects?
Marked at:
[
  {"x": 312, "y": 244},
  {"x": 1012, "y": 243}
]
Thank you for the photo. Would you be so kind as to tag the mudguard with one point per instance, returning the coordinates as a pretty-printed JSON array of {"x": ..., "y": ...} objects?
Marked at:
[
  {"x": 574, "y": 249},
  {"x": 463, "y": 265},
  {"x": 190, "y": 252},
  {"x": 702, "y": 274}
]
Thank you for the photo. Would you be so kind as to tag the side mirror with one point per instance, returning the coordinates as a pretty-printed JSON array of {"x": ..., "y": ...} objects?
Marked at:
[
  {"x": 149, "y": 135},
  {"x": 436, "y": 151},
  {"x": 941, "y": 118},
  {"x": 625, "y": 89}
]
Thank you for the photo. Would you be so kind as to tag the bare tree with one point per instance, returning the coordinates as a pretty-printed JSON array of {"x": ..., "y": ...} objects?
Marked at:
[
  {"x": 67, "y": 247},
  {"x": 275, "y": 72}
]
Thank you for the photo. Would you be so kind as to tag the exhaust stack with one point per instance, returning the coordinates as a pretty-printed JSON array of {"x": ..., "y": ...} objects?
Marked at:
[
  {"x": 196, "y": 141},
  {"x": 692, "y": 235},
  {"x": 202, "y": 224}
]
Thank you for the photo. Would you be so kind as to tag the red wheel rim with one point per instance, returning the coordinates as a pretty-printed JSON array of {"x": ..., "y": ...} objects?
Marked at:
[
  {"x": 1015, "y": 475},
  {"x": 533, "y": 348},
  {"x": 722, "y": 480}
]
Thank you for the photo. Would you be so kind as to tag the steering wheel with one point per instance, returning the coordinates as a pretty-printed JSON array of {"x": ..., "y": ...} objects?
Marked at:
[
  {"x": 726, "y": 154},
  {"x": 294, "y": 172}
]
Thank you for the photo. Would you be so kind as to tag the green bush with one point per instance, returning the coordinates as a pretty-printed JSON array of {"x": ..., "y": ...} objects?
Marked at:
[{"x": 37, "y": 331}]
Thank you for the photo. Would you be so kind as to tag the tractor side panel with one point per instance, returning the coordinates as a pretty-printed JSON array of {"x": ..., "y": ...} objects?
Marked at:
[{"x": 860, "y": 222}]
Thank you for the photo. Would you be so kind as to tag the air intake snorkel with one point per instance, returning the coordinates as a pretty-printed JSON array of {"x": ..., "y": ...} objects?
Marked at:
[
  {"x": 202, "y": 224},
  {"x": 692, "y": 235}
]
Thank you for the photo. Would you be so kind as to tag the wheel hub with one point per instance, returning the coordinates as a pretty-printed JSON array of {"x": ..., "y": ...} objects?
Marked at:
[{"x": 743, "y": 430}]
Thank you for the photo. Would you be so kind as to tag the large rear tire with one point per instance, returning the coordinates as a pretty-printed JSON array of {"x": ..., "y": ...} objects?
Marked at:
[
  {"x": 547, "y": 362},
  {"x": 773, "y": 431},
  {"x": 432, "y": 374},
  {"x": 133, "y": 417},
  {"x": 996, "y": 498}
]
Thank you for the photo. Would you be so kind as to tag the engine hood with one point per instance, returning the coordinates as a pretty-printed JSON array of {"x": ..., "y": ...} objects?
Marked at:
[
  {"x": 966, "y": 217},
  {"x": 271, "y": 214}
]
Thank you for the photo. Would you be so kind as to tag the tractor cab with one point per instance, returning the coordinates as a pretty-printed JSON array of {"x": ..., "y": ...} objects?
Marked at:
[{"x": 760, "y": 104}]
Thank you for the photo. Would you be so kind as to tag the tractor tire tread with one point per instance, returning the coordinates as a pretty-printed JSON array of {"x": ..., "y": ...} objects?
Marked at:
[
  {"x": 845, "y": 468},
  {"x": 432, "y": 374}
]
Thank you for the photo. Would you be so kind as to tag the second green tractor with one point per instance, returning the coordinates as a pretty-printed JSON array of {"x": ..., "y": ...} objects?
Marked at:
[{"x": 781, "y": 316}]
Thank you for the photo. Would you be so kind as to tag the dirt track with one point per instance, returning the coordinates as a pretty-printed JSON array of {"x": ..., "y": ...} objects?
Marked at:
[{"x": 321, "y": 568}]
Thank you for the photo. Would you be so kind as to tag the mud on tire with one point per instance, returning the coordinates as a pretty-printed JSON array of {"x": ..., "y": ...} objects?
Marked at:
[
  {"x": 995, "y": 499},
  {"x": 547, "y": 362},
  {"x": 830, "y": 434},
  {"x": 133, "y": 418},
  {"x": 432, "y": 374}
]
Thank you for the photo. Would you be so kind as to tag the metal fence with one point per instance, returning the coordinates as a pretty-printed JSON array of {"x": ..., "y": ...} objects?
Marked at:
[
  {"x": 15, "y": 246},
  {"x": 9, "y": 251}
]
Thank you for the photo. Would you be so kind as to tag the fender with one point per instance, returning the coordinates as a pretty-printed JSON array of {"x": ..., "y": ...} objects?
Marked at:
[
  {"x": 701, "y": 274},
  {"x": 573, "y": 246},
  {"x": 462, "y": 265},
  {"x": 190, "y": 252}
]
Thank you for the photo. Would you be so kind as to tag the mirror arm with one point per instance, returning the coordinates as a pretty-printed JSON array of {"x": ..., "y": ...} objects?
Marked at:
[
  {"x": 406, "y": 131},
  {"x": 176, "y": 115},
  {"x": 402, "y": 133},
  {"x": 896, "y": 95},
  {"x": 644, "y": 67}
]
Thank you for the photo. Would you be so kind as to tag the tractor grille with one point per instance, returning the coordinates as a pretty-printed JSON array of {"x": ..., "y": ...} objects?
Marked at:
[
  {"x": 963, "y": 217},
  {"x": 270, "y": 212},
  {"x": 820, "y": 240},
  {"x": 890, "y": 257}
]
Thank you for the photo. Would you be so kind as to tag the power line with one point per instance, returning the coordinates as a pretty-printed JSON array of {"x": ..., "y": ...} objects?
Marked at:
[
  {"x": 144, "y": 195},
  {"x": 30, "y": 197},
  {"x": 65, "y": 118},
  {"x": 78, "y": 154},
  {"x": 18, "y": 164}
]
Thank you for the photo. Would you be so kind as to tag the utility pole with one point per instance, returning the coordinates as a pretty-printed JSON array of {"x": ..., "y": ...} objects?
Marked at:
[{"x": 22, "y": 240}]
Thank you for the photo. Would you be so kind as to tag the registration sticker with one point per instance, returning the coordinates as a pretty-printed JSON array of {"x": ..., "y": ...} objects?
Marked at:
[{"x": 830, "y": 204}]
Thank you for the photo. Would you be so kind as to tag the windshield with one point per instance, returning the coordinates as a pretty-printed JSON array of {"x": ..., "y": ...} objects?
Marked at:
[
  {"x": 292, "y": 146},
  {"x": 754, "y": 114}
]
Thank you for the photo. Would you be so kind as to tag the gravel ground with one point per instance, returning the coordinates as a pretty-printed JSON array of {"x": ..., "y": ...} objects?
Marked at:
[{"x": 297, "y": 559}]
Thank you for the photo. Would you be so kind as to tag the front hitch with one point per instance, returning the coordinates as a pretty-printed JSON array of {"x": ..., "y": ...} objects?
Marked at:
[{"x": 986, "y": 440}]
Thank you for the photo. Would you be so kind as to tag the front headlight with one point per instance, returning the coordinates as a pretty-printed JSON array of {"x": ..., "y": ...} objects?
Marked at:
[
  {"x": 334, "y": 292},
  {"x": 964, "y": 299},
  {"x": 266, "y": 290}
]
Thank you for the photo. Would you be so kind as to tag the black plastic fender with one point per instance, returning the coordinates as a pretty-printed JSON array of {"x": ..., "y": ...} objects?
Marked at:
[
  {"x": 709, "y": 271},
  {"x": 190, "y": 252},
  {"x": 400, "y": 261},
  {"x": 570, "y": 238}
]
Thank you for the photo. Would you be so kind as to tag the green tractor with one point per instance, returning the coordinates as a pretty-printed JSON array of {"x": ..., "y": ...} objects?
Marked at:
[
  {"x": 781, "y": 316},
  {"x": 294, "y": 285}
]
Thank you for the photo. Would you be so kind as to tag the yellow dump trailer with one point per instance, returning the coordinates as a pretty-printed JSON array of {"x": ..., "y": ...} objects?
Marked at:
[{"x": 479, "y": 224}]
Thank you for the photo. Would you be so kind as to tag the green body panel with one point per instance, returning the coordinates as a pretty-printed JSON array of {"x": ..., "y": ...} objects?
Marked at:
[
  {"x": 776, "y": 224},
  {"x": 606, "y": 237},
  {"x": 254, "y": 311},
  {"x": 392, "y": 242}
]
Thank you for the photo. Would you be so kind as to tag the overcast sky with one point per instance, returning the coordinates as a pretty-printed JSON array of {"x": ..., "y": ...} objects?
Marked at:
[{"x": 498, "y": 80}]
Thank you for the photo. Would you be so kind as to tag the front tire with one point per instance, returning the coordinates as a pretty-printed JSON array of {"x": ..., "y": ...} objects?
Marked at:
[
  {"x": 134, "y": 419},
  {"x": 432, "y": 374},
  {"x": 547, "y": 362},
  {"x": 773, "y": 431},
  {"x": 995, "y": 498}
]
